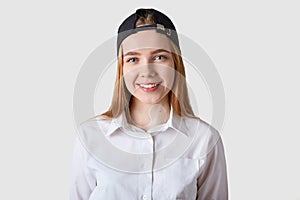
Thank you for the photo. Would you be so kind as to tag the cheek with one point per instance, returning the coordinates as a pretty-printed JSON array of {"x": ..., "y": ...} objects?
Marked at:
[
  {"x": 129, "y": 77},
  {"x": 126, "y": 69},
  {"x": 167, "y": 74},
  {"x": 170, "y": 80}
]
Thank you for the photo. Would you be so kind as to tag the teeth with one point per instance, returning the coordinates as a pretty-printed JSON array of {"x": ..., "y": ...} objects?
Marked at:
[{"x": 148, "y": 85}]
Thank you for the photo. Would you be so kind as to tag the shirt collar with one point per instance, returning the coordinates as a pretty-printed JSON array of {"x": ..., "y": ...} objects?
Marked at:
[{"x": 175, "y": 122}]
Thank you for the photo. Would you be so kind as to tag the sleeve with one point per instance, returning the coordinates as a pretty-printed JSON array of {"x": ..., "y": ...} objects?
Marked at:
[
  {"x": 212, "y": 182},
  {"x": 82, "y": 179}
]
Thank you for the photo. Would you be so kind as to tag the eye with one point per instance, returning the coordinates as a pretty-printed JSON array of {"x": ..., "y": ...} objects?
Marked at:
[
  {"x": 160, "y": 57},
  {"x": 131, "y": 60}
]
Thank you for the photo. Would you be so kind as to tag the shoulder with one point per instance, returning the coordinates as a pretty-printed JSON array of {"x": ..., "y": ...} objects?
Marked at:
[
  {"x": 200, "y": 128},
  {"x": 96, "y": 121},
  {"x": 205, "y": 137},
  {"x": 93, "y": 127}
]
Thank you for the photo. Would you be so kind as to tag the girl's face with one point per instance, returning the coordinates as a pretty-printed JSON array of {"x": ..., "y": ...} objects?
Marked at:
[{"x": 148, "y": 66}]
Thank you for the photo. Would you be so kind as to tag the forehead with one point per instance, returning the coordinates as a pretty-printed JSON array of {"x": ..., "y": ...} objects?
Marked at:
[{"x": 146, "y": 39}]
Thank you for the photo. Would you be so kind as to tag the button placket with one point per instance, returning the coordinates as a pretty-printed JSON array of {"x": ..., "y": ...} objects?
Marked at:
[
  {"x": 146, "y": 176},
  {"x": 144, "y": 197}
]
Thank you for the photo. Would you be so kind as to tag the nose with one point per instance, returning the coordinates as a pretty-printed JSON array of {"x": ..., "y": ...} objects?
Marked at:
[{"x": 147, "y": 69}]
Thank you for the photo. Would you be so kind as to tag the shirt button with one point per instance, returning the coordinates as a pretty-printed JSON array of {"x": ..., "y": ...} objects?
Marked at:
[{"x": 144, "y": 197}]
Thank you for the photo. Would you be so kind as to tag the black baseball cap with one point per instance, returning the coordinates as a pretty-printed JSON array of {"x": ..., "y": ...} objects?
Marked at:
[{"x": 162, "y": 24}]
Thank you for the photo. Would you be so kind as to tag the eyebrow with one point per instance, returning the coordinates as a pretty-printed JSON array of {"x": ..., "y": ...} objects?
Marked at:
[{"x": 130, "y": 53}]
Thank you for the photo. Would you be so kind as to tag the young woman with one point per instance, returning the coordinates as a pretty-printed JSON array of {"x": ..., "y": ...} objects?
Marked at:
[{"x": 149, "y": 144}]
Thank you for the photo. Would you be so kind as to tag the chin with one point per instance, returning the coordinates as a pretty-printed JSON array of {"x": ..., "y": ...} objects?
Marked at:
[{"x": 152, "y": 100}]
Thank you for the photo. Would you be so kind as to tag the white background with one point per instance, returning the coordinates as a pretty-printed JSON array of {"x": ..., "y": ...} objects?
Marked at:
[{"x": 254, "y": 45}]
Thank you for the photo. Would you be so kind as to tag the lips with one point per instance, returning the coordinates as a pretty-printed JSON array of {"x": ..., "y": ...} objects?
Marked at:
[{"x": 149, "y": 87}]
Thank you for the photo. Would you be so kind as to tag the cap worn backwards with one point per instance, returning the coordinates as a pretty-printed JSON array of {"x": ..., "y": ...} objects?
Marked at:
[{"x": 162, "y": 24}]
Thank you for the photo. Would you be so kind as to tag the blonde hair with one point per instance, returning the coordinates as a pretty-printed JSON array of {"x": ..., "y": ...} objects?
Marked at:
[
  {"x": 178, "y": 95},
  {"x": 147, "y": 20}
]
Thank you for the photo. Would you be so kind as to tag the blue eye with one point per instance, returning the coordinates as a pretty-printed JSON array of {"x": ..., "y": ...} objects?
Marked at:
[
  {"x": 160, "y": 57},
  {"x": 132, "y": 60}
]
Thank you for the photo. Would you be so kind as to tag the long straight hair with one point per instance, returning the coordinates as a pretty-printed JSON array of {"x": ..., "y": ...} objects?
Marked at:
[{"x": 178, "y": 95}]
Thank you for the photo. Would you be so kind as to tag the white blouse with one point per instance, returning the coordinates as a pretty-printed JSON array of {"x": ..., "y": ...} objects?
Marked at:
[{"x": 181, "y": 159}]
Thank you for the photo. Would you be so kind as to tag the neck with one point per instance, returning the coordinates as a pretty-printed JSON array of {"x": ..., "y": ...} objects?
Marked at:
[{"x": 146, "y": 116}]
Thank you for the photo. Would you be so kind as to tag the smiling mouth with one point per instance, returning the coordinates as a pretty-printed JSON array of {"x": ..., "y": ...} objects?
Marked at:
[{"x": 148, "y": 85}]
